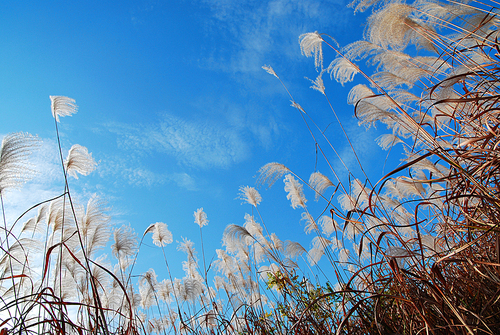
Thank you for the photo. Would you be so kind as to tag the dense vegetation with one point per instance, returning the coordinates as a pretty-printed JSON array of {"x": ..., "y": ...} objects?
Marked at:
[{"x": 418, "y": 252}]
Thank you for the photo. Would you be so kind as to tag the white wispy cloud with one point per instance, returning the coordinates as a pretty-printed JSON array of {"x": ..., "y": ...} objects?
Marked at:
[
  {"x": 135, "y": 173},
  {"x": 266, "y": 30},
  {"x": 193, "y": 143}
]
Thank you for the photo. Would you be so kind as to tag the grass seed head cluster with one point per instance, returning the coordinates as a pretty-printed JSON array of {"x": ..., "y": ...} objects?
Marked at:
[{"x": 415, "y": 252}]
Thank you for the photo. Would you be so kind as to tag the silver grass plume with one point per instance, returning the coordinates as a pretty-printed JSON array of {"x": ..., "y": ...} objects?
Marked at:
[
  {"x": 191, "y": 289},
  {"x": 398, "y": 253},
  {"x": 234, "y": 236},
  {"x": 343, "y": 255},
  {"x": 147, "y": 288},
  {"x": 318, "y": 250},
  {"x": 342, "y": 70},
  {"x": 295, "y": 193},
  {"x": 358, "y": 93},
  {"x": 271, "y": 172},
  {"x": 270, "y": 70},
  {"x": 250, "y": 195},
  {"x": 318, "y": 84},
  {"x": 387, "y": 141},
  {"x": 209, "y": 319},
  {"x": 319, "y": 183},
  {"x": 253, "y": 227},
  {"x": 360, "y": 192},
  {"x": 147, "y": 295},
  {"x": 161, "y": 235},
  {"x": 359, "y": 50},
  {"x": 294, "y": 249},
  {"x": 328, "y": 225},
  {"x": 190, "y": 268},
  {"x": 277, "y": 243},
  {"x": 14, "y": 164},
  {"x": 80, "y": 161},
  {"x": 392, "y": 27},
  {"x": 15, "y": 259},
  {"x": 310, "y": 223},
  {"x": 125, "y": 244},
  {"x": 389, "y": 81},
  {"x": 95, "y": 225},
  {"x": 35, "y": 224},
  {"x": 260, "y": 252},
  {"x": 150, "y": 278},
  {"x": 187, "y": 246},
  {"x": 165, "y": 290},
  {"x": 62, "y": 106},
  {"x": 311, "y": 44},
  {"x": 200, "y": 217}
]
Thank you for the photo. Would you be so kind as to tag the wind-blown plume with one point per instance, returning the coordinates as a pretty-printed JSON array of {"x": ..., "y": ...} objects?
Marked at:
[
  {"x": 295, "y": 193},
  {"x": 125, "y": 245},
  {"x": 318, "y": 250},
  {"x": 161, "y": 235},
  {"x": 14, "y": 165},
  {"x": 250, "y": 195},
  {"x": 294, "y": 249},
  {"x": 392, "y": 27},
  {"x": 200, "y": 217},
  {"x": 319, "y": 182},
  {"x": 80, "y": 161},
  {"x": 342, "y": 70},
  {"x": 269, "y": 173},
  {"x": 270, "y": 70},
  {"x": 62, "y": 106},
  {"x": 311, "y": 44}
]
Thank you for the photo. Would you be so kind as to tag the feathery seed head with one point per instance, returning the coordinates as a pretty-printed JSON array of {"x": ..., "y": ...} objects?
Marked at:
[
  {"x": 310, "y": 44},
  {"x": 14, "y": 164},
  {"x": 125, "y": 242},
  {"x": 310, "y": 223},
  {"x": 293, "y": 249},
  {"x": 318, "y": 84},
  {"x": 270, "y": 70},
  {"x": 318, "y": 250},
  {"x": 319, "y": 182},
  {"x": 294, "y": 189},
  {"x": 236, "y": 236},
  {"x": 80, "y": 161},
  {"x": 297, "y": 106},
  {"x": 328, "y": 225},
  {"x": 200, "y": 217},
  {"x": 250, "y": 195},
  {"x": 161, "y": 235},
  {"x": 253, "y": 227},
  {"x": 343, "y": 255},
  {"x": 393, "y": 27},
  {"x": 387, "y": 141},
  {"x": 398, "y": 253},
  {"x": 342, "y": 70},
  {"x": 62, "y": 106},
  {"x": 187, "y": 246},
  {"x": 269, "y": 173}
]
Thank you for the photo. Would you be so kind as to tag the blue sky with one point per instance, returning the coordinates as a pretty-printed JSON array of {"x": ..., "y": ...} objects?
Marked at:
[{"x": 175, "y": 107}]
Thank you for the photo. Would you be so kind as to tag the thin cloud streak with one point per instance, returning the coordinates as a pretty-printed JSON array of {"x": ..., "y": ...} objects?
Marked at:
[
  {"x": 262, "y": 31},
  {"x": 192, "y": 143}
]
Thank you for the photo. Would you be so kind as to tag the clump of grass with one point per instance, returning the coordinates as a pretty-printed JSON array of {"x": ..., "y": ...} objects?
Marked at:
[
  {"x": 424, "y": 252},
  {"x": 417, "y": 251}
]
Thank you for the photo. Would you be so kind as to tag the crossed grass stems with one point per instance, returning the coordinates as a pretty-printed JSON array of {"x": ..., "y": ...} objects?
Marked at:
[{"x": 416, "y": 253}]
